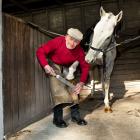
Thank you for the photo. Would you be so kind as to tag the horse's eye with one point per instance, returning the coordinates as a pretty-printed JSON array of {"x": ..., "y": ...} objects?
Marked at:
[{"x": 108, "y": 38}]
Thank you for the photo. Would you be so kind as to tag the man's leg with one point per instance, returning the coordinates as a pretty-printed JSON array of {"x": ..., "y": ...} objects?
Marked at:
[
  {"x": 75, "y": 115},
  {"x": 58, "y": 116}
]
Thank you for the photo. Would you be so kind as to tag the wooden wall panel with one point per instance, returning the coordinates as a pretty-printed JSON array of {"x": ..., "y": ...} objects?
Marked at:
[
  {"x": 126, "y": 74},
  {"x": 73, "y": 18},
  {"x": 26, "y": 88},
  {"x": 132, "y": 13},
  {"x": 111, "y": 6},
  {"x": 41, "y": 19},
  {"x": 7, "y": 80},
  {"x": 92, "y": 15},
  {"x": 56, "y": 20},
  {"x": 32, "y": 73}
]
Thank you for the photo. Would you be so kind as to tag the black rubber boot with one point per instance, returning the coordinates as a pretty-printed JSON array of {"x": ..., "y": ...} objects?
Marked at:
[
  {"x": 58, "y": 117},
  {"x": 75, "y": 115}
]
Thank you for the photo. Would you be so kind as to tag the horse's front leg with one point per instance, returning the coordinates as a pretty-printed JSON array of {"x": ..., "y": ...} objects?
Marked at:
[
  {"x": 107, "y": 75},
  {"x": 92, "y": 82},
  {"x": 106, "y": 91},
  {"x": 72, "y": 69}
]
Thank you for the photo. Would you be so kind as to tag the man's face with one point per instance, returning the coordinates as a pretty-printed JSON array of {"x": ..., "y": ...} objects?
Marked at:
[{"x": 71, "y": 43}]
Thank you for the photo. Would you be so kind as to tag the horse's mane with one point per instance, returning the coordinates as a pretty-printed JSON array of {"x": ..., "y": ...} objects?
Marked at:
[{"x": 86, "y": 38}]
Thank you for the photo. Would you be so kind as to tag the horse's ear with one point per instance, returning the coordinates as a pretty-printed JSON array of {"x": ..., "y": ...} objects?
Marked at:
[
  {"x": 102, "y": 11},
  {"x": 119, "y": 16}
]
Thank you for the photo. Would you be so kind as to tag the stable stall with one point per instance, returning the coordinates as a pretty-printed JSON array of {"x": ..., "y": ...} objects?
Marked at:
[{"x": 26, "y": 89}]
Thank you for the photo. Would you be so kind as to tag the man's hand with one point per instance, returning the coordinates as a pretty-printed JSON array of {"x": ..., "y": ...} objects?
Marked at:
[
  {"x": 78, "y": 88},
  {"x": 49, "y": 70}
]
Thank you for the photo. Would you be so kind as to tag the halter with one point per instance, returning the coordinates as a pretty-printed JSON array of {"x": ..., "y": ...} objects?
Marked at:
[{"x": 104, "y": 51}]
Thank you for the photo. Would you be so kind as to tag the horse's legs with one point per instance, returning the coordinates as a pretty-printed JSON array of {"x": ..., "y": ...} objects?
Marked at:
[
  {"x": 93, "y": 88},
  {"x": 106, "y": 99},
  {"x": 107, "y": 75},
  {"x": 72, "y": 69},
  {"x": 92, "y": 83},
  {"x": 105, "y": 88},
  {"x": 102, "y": 80},
  {"x": 94, "y": 78}
]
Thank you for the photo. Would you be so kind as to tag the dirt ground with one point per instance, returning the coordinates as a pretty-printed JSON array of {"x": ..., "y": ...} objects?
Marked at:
[{"x": 122, "y": 124}]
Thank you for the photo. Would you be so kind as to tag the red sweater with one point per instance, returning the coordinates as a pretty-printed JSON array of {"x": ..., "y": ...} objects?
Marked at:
[{"x": 57, "y": 51}]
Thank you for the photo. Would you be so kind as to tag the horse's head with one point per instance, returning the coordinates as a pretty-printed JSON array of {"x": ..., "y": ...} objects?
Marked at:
[{"x": 103, "y": 32}]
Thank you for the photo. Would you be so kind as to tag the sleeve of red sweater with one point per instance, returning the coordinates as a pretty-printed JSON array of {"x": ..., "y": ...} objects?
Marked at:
[
  {"x": 44, "y": 50},
  {"x": 84, "y": 67}
]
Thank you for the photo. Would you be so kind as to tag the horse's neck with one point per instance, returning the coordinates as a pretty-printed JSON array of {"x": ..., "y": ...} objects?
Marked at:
[{"x": 110, "y": 54}]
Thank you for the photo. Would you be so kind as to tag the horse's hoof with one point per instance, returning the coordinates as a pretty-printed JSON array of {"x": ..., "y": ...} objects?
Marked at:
[
  {"x": 106, "y": 110},
  {"x": 110, "y": 110}
]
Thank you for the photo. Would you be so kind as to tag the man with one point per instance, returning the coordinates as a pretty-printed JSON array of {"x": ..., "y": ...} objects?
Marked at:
[{"x": 61, "y": 52}]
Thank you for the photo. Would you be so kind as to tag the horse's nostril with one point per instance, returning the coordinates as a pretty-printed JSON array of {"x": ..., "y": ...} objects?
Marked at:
[{"x": 87, "y": 61}]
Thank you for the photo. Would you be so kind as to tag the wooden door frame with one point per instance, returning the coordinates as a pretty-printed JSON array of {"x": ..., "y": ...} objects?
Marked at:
[{"x": 1, "y": 92}]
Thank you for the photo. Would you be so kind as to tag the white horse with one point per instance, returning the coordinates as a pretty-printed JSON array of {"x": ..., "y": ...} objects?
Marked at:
[{"x": 103, "y": 49}]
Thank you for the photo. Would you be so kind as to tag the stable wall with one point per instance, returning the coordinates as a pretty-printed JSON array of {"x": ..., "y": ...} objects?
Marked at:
[{"x": 82, "y": 15}]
